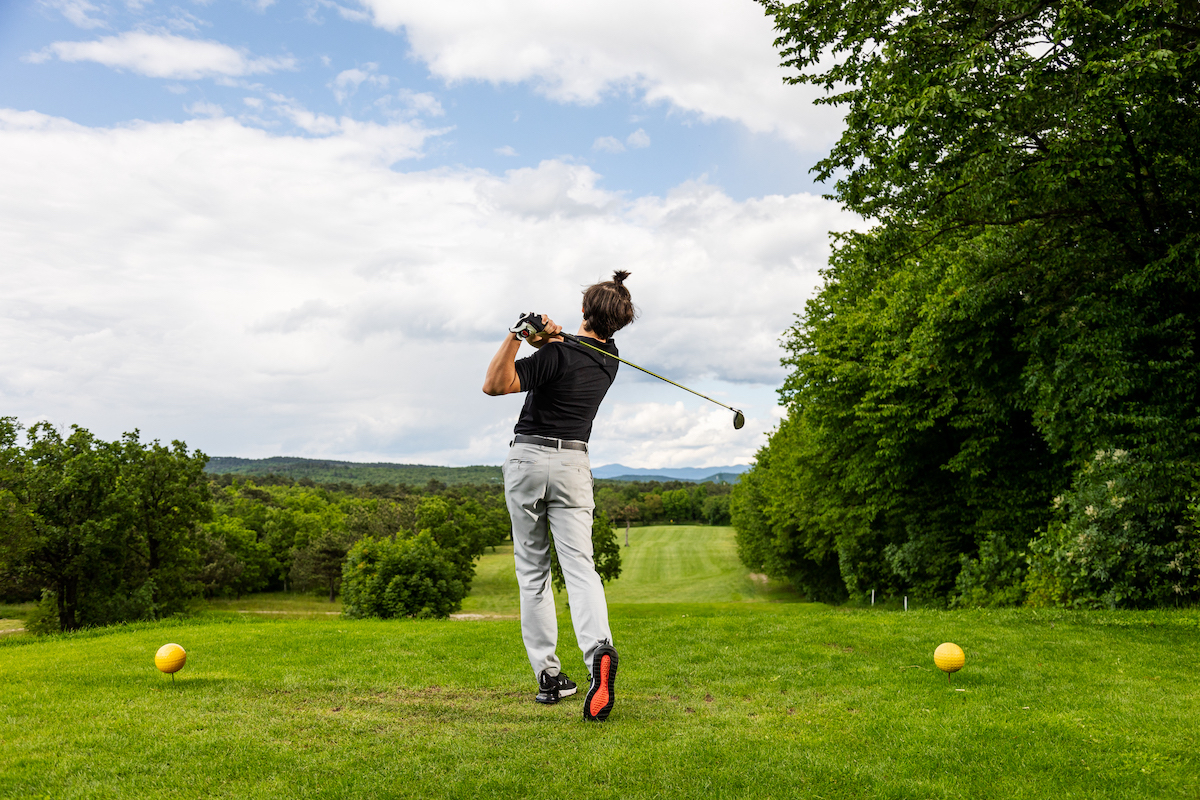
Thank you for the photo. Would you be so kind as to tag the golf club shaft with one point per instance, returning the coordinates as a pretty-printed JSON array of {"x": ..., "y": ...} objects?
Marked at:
[{"x": 577, "y": 340}]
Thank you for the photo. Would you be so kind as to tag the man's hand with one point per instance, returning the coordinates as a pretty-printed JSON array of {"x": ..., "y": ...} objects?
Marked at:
[
  {"x": 549, "y": 332},
  {"x": 537, "y": 329}
]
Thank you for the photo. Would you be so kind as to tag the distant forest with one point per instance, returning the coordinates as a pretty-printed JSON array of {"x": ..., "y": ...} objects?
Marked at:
[{"x": 325, "y": 471}]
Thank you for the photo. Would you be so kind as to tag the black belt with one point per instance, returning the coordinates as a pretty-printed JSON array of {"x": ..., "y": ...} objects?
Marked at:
[{"x": 545, "y": 441}]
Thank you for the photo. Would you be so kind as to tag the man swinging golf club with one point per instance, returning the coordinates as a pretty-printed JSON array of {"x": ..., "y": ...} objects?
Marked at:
[{"x": 548, "y": 483}]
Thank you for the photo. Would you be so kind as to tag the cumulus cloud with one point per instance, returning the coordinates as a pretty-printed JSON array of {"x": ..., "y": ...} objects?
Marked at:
[
  {"x": 713, "y": 58},
  {"x": 611, "y": 144},
  {"x": 158, "y": 55},
  {"x": 260, "y": 294},
  {"x": 608, "y": 144},
  {"x": 507, "y": 150},
  {"x": 203, "y": 109},
  {"x": 348, "y": 81},
  {"x": 420, "y": 103},
  {"x": 77, "y": 12},
  {"x": 638, "y": 139}
]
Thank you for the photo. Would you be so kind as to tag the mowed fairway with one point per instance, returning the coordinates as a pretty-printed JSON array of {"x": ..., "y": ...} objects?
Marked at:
[
  {"x": 662, "y": 564},
  {"x": 726, "y": 699}
]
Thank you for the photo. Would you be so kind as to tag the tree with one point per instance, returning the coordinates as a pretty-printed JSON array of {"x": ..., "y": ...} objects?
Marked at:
[
  {"x": 715, "y": 509},
  {"x": 16, "y": 517},
  {"x": 457, "y": 532},
  {"x": 1024, "y": 299},
  {"x": 162, "y": 496},
  {"x": 76, "y": 550},
  {"x": 628, "y": 513},
  {"x": 678, "y": 505},
  {"x": 319, "y": 563},
  {"x": 233, "y": 560},
  {"x": 107, "y": 530},
  {"x": 401, "y": 577},
  {"x": 606, "y": 553}
]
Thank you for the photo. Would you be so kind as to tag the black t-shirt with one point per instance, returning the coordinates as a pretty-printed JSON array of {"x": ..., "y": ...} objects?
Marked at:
[{"x": 565, "y": 383}]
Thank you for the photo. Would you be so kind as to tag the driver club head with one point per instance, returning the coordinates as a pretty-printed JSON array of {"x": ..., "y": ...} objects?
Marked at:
[{"x": 738, "y": 420}]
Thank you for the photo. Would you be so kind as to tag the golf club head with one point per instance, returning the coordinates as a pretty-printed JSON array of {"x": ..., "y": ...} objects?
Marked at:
[{"x": 738, "y": 420}]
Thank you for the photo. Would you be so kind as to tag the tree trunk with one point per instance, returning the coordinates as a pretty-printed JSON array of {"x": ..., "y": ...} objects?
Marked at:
[
  {"x": 627, "y": 533},
  {"x": 68, "y": 599}
]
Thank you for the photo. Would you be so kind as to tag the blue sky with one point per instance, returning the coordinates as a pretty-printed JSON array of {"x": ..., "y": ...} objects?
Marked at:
[{"x": 299, "y": 228}]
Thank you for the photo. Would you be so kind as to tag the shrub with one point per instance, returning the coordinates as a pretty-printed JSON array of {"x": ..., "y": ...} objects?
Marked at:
[
  {"x": 995, "y": 577},
  {"x": 401, "y": 577},
  {"x": 1117, "y": 546},
  {"x": 44, "y": 617}
]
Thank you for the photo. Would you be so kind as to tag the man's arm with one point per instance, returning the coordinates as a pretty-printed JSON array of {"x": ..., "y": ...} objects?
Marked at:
[{"x": 501, "y": 375}]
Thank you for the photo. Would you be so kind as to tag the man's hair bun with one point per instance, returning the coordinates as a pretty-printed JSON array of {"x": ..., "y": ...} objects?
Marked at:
[{"x": 607, "y": 307}]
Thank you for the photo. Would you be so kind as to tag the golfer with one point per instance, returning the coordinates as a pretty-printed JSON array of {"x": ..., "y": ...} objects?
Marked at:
[{"x": 548, "y": 485}]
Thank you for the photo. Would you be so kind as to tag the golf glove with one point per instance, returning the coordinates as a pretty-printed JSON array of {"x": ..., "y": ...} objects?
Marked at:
[{"x": 528, "y": 325}]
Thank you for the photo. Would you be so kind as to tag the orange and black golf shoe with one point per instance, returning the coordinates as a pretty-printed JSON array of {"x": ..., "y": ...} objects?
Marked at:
[{"x": 599, "y": 701}]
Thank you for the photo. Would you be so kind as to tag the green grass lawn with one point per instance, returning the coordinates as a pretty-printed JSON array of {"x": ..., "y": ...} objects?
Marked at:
[
  {"x": 663, "y": 564},
  {"x": 718, "y": 699}
]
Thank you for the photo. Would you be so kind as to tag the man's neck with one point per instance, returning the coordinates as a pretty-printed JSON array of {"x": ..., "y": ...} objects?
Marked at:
[{"x": 585, "y": 331}]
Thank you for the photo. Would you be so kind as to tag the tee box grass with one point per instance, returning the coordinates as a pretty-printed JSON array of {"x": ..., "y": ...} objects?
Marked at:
[{"x": 742, "y": 698}]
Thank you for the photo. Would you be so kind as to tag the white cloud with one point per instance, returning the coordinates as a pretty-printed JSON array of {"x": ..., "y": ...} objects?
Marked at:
[
  {"x": 203, "y": 109},
  {"x": 348, "y": 81},
  {"x": 77, "y": 12},
  {"x": 638, "y": 139},
  {"x": 260, "y": 294},
  {"x": 711, "y": 57},
  {"x": 420, "y": 103},
  {"x": 506, "y": 150},
  {"x": 608, "y": 144},
  {"x": 673, "y": 435},
  {"x": 163, "y": 56}
]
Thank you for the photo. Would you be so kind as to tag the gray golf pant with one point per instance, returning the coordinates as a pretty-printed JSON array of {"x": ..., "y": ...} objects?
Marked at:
[{"x": 545, "y": 486}]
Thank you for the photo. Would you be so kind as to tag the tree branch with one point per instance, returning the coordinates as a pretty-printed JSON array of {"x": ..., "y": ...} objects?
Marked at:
[{"x": 1004, "y": 23}]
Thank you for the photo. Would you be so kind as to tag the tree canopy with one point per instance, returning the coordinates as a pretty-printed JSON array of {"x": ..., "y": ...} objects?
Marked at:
[
  {"x": 1022, "y": 305},
  {"x": 103, "y": 529}
]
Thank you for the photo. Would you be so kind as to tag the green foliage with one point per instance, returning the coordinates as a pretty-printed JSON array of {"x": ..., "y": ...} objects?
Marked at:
[
  {"x": 457, "y": 532},
  {"x": 1025, "y": 298},
  {"x": 319, "y": 563},
  {"x": 1111, "y": 549},
  {"x": 44, "y": 617},
  {"x": 234, "y": 561},
  {"x": 671, "y": 501},
  {"x": 780, "y": 513},
  {"x": 353, "y": 474},
  {"x": 606, "y": 553},
  {"x": 401, "y": 577},
  {"x": 16, "y": 517},
  {"x": 108, "y": 529},
  {"x": 678, "y": 505},
  {"x": 714, "y": 509}
]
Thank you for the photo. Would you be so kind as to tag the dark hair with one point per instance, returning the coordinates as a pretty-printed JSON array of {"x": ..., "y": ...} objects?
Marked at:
[{"x": 607, "y": 306}]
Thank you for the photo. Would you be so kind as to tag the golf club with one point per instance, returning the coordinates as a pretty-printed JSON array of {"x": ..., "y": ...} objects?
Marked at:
[{"x": 531, "y": 324}]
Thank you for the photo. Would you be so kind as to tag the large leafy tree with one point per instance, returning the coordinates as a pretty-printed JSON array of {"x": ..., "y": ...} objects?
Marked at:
[
  {"x": 161, "y": 497},
  {"x": 1024, "y": 298},
  {"x": 106, "y": 529}
]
